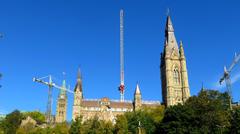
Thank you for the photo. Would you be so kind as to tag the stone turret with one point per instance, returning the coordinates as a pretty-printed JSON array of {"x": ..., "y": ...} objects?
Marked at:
[
  {"x": 61, "y": 112},
  {"x": 185, "y": 85},
  {"x": 137, "y": 98},
  {"x": 78, "y": 97}
]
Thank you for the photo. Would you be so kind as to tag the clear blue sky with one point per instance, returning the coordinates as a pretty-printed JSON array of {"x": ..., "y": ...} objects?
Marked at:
[{"x": 48, "y": 37}]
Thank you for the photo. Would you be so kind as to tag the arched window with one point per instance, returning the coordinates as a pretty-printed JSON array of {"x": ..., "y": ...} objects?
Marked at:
[{"x": 176, "y": 78}]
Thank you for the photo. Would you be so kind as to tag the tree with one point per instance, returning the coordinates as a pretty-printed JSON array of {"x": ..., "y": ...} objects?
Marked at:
[
  {"x": 61, "y": 128},
  {"x": 94, "y": 126},
  {"x": 177, "y": 119},
  {"x": 121, "y": 126},
  {"x": 211, "y": 109},
  {"x": 12, "y": 122},
  {"x": 76, "y": 126},
  {"x": 36, "y": 115},
  {"x": 206, "y": 113},
  {"x": 108, "y": 127},
  {"x": 235, "y": 122},
  {"x": 26, "y": 129},
  {"x": 145, "y": 118}
]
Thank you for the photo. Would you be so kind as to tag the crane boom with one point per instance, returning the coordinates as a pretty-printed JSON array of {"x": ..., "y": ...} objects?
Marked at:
[
  {"x": 50, "y": 85},
  {"x": 226, "y": 77},
  {"x": 121, "y": 87},
  {"x": 235, "y": 61},
  {"x": 61, "y": 88}
]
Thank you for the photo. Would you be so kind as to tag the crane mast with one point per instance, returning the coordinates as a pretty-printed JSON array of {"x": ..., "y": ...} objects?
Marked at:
[
  {"x": 50, "y": 85},
  {"x": 49, "y": 102},
  {"x": 226, "y": 77},
  {"x": 121, "y": 87}
]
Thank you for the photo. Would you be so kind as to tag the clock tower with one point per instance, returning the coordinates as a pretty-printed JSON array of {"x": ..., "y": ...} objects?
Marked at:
[{"x": 78, "y": 96}]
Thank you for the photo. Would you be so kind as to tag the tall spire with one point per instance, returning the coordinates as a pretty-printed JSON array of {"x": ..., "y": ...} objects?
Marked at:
[
  {"x": 137, "y": 90},
  {"x": 79, "y": 73},
  {"x": 79, "y": 81},
  {"x": 181, "y": 51},
  {"x": 169, "y": 25},
  {"x": 137, "y": 98},
  {"x": 169, "y": 34},
  {"x": 63, "y": 90}
]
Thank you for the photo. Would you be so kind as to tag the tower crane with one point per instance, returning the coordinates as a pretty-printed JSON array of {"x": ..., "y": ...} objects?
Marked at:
[
  {"x": 121, "y": 87},
  {"x": 50, "y": 85},
  {"x": 0, "y": 78},
  {"x": 1, "y": 36},
  {"x": 226, "y": 77}
]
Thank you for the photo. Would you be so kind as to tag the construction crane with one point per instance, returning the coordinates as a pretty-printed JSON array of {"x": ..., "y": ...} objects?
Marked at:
[
  {"x": 1, "y": 36},
  {"x": 121, "y": 87},
  {"x": 226, "y": 77},
  {"x": 50, "y": 85},
  {"x": 0, "y": 79}
]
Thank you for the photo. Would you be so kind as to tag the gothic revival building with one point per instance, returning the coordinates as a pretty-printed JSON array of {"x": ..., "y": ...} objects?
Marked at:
[
  {"x": 175, "y": 88},
  {"x": 104, "y": 108},
  {"x": 61, "y": 111},
  {"x": 174, "y": 77}
]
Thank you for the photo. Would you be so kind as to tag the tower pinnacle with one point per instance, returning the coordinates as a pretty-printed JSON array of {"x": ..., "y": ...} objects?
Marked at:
[
  {"x": 79, "y": 81},
  {"x": 137, "y": 91},
  {"x": 169, "y": 35},
  {"x": 79, "y": 73}
]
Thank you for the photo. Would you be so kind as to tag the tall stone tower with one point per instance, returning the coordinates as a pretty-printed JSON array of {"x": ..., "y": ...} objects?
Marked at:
[
  {"x": 78, "y": 96},
  {"x": 137, "y": 98},
  {"x": 174, "y": 77},
  {"x": 61, "y": 111}
]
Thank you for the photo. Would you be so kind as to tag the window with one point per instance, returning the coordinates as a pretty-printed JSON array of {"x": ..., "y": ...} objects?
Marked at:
[{"x": 176, "y": 78}]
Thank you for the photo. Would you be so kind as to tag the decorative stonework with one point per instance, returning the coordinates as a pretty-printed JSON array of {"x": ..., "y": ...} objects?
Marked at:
[{"x": 174, "y": 77}]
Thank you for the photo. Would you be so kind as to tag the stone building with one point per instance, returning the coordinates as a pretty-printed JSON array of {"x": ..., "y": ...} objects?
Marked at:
[
  {"x": 61, "y": 111},
  {"x": 104, "y": 108},
  {"x": 174, "y": 76}
]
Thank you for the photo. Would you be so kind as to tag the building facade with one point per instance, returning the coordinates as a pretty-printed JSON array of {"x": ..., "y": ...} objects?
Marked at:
[
  {"x": 104, "y": 108},
  {"x": 174, "y": 79},
  {"x": 61, "y": 111},
  {"x": 174, "y": 76}
]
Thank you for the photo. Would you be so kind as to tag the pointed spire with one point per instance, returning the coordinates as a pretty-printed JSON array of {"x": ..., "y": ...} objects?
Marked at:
[
  {"x": 79, "y": 81},
  {"x": 170, "y": 40},
  {"x": 137, "y": 91},
  {"x": 181, "y": 50},
  {"x": 169, "y": 25},
  {"x": 63, "y": 90},
  {"x": 79, "y": 73}
]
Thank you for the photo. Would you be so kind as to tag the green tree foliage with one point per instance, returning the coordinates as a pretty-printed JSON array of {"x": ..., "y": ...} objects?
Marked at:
[
  {"x": 12, "y": 122},
  {"x": 96, "y": 126},
  {"x": 121, "y": 126},
  {"x": 142, "y": 118},
  {"x": 235, "y": 122},
  {"x": 147, "y": 119},
  {"x": 76, "y": 126},
  {"x": 61, "y": 128},
  {"x": 36, "y": 115},
  {"x": 206, "y": 113},
  {"x": 26, "y": 129}
]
